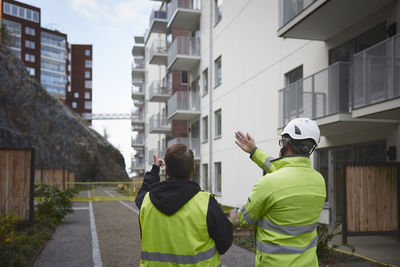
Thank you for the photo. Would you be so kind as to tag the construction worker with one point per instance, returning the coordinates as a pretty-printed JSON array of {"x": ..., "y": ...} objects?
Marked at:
[
  {"x": 286, "y": 203},
  {"x": 180, "y": 224}
]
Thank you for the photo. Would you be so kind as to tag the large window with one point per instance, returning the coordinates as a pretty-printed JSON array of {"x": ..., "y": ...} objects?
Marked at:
[
  {"x": 218, "y": 71},
  {"x": 30, "y": 31},
  {"x": 87, "y": 95},
  {"x": 21, "y": 12},
  {"x": 88, "y": 63},
  {"x": 218, "y": 123},
  {"x": 88, "y": 84},
  {"x": 205, "y": 129},
  {"x": 218, "y": 178},
  {"x": 88, "y": 104},
  {"x": 205, "y": 81},
  {"x": 205, "y": 177},
  {"x": 184, "y": 77},
  {"x": 218, "y": 11}
]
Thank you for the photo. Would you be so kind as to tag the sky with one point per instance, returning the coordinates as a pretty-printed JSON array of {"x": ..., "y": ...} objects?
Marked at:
[{"x": 109, "y": 25}]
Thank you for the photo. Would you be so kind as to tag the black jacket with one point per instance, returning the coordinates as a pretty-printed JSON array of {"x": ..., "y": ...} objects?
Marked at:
[{"x": 170, "y": 195}]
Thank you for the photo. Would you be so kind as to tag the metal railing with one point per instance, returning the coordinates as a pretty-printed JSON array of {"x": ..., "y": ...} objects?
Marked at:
[
  {"x": 158, "y": 47},
  {"x": 288, "y": 9},
  {"x": 138, "y": 140},
  {"x": 138, "y": 116},
  {"x": 159, "y": 122},
  {"x": 159, "y": 88},
  {"x": 184, "y": 4},
  {"x": 138, "y": 63},
  {"x": 183, "y": 46},
  {"x": 137, "y": 90},
  {"x": 377, "y": 73},
  {"x": 137, "y": 163},
  {"x": 157, "y": 14},
  {"x": 321, "y": 94},
  {"x": 182, "y": 100},
  {"x": 192, "y": 143}
]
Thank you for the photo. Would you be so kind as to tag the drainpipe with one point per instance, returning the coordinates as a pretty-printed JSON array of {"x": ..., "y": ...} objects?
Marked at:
[{"x": 210, "y": 92}]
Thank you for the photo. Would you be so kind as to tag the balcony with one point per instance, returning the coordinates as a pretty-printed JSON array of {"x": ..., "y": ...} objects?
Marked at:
[
  {"x": 138, "y": 50},
  {"x": 192, "y": 143},
  {"x": 318, "y": 96},
  {"x": 137, "y": 118},
  {"x": 158, "y": 21},
  {"x": 377, "y": 81},
  {"x": 137, "y": 93},
  {"x": 159, "y": 124},
  {"x": 183, "y": 53},
  {"x": 139, "y": 103},
  {"x": 138, "y": 128},
  {"x": 138, "y": 141},
  {"x": 159, "y": 92},
  {"x": 184, "y": 106},
  {"x": 318, "y": 19},
  {"x": 137, "y": 164},
  {"x": 138, "y": 69},
  {"x": 158, "y": 54},
  {"x": 183, "y": 14}
]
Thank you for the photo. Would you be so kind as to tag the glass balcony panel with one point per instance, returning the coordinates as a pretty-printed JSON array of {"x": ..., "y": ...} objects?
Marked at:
[
  {"x": 159, "y": 92},
  {"x": 184, "y": 105},
  {"x": 158, "y": 21},
  {"x": 137, "y": 92},
  {"x": 159, "y": 124},
  {"x": 138, "y": 141},
  {"x": 158, "y": 54},
  {"x": 183, "y": 14},
  {"x": 137, "y": 164},
  {"x": 376, "y": 73},
  {"x": 137, "y": 117},
  {"x": 184, "y": 53}
]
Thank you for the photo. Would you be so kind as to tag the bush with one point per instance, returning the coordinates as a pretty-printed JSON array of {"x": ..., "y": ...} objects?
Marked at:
[
  {"x": 55, "y": 204},
  {"x": 325, "y": 235}
]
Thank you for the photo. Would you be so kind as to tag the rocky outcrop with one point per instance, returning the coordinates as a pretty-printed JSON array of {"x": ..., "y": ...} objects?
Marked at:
[{"x": 30, "y": 117}]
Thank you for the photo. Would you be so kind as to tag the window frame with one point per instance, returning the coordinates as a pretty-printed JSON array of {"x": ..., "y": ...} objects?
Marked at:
[
  {"x": 217, "y": 176},
  {"x": 217, "y": 74},
  {"x": 205, "y": 81},
  {"x": 204, "y": 131},
  {"x": 217, "y": 12},
  {"x": 204, "y": 177},
  {"x": 218, "y": 123}
]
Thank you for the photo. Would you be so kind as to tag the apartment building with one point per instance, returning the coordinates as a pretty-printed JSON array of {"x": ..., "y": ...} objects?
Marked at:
[
  {"x": 47, "y": 55},
  {"x": 255, "y": 65}
]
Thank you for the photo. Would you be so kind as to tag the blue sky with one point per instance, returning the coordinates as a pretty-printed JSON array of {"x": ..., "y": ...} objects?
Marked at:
[{"x": 109, "y": 25}]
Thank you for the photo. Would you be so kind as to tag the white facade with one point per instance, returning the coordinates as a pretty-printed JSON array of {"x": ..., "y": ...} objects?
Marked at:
[{"x": 255, "y": 63}]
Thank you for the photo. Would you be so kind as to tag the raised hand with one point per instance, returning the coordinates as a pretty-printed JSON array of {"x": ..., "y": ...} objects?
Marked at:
[
  {"x": 245, "y": 142},
  {"x": 157, "y": 161}
]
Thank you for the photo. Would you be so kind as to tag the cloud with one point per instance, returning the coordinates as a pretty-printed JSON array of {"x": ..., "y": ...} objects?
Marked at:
[{"x": 115, "y": 12}]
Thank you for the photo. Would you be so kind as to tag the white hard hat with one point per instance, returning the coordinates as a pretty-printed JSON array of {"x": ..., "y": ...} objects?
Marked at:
[{"x": 302, "y": 128}]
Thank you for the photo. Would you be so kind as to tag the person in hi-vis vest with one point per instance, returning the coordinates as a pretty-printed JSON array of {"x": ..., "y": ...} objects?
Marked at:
[
  {"x": 180, "y": 224},
  {"x": 286, "y": 203}
]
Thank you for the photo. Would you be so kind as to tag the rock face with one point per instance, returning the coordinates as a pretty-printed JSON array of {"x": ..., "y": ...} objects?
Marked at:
[{"x": 30, "y": 117}]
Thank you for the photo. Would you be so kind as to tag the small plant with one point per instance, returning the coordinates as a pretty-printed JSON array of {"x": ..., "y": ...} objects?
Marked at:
[{"x": 56, "y": 204}]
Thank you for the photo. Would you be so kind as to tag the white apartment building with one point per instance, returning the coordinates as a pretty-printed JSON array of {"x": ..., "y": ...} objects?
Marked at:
[{"x": 253, "y": 65}]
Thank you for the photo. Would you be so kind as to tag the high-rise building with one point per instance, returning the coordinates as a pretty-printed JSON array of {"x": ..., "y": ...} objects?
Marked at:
[
  {"x": 213, "y": 67},
  {"x": 48, "y": 57}
]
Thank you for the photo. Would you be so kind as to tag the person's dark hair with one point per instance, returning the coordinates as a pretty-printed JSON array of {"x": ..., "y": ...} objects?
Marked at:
[
  {"x": 301, "y": 147},
  {"x": 179, "y": 161}
]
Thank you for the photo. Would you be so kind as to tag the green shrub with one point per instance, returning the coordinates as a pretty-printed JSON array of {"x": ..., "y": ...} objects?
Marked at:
[{"x": 325, "y": 235}]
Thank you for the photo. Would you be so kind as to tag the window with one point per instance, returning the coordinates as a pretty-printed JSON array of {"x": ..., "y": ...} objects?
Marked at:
[
  {"x": 218, "y": 11},
  {"x": 30, "y": 31},
  {"x": 87, "y": 95},
  {"x": 31, "y": 71},
  {"x": 184, "y": 77},
  {"x": 21, "y": 12},
  {"x": 88, "y": 63},
  {"x": 88, "y": 104},
  {"x": 76, "y": 94},
  {"x": 218, "y": 71},
  {"x": 87, "y": 74},
  {"x": 217, "y": 180},
  {"x": 205, "y": 177},
  {"x": 7, "y": 8},
  {"x": 205, "y": 81},
  {"x": 88, "y": 84},
  {"x": 29, "y": 44},
  {"x": 73, "y": 104},
  {"x": 29, "y": 57},
  {"x": 87, "y": 52},
  {"x": 218, "y": 123},
  {"x": 293, "y": 93},
  {"x": 205, "y": 129}
]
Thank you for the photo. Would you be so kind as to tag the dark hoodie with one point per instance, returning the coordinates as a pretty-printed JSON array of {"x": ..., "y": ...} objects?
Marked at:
[{"x": 170, "y": 195}]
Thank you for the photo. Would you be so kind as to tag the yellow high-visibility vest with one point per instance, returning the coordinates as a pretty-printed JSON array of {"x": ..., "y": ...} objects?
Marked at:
[
  {"x": 285, "y": 206},
  {"x": 180, "y": 239}
]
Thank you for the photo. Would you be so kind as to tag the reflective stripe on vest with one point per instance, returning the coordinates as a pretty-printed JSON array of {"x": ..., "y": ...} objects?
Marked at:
[
  {"x": 268, "y": 163},
  {"x": 286, "y": 229},
  {"x": 179, "y": 259},
  {"x": 281, "y": 249},
  {"x": 250, "y": 220}
]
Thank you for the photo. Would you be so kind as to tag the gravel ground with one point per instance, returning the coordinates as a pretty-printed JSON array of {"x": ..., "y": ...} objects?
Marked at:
[{"x": 118, "y": 232}]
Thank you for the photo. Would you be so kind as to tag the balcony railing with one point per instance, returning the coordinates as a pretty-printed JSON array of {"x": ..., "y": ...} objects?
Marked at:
[
  {"x": 184, "y": 105},
  {"x": 192, "y": 143},
  {"x": 137, "y": 164},
  {"x": 159, "y": 92},
  {"x": 159, "y": 124},
  {"x": 158, "y": 52},
  {"x": 377, "y": 73},
  {"x": 158, "y": 21},
  {"x": 138, "y": 140},
  {"x": 137, "y": 92},
  {"x": 137, "y": 117},
  {"x": 183, "y": 14},
  {"x": 138, "y": 103},
  {"x": 288, "y": 9},
  {"x": 183, "y": 53},
  {"x": 324, "y": 93}
]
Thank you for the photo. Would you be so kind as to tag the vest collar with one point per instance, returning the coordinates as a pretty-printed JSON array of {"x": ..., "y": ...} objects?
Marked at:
[{"x": 291, "y": 161}]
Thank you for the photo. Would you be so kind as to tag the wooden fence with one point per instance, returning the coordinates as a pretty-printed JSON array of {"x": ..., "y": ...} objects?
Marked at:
[
  {"x": 17, "y": 182},
  {"x": 372, "y": 200},
  {"x": 59, "y": 178}
]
